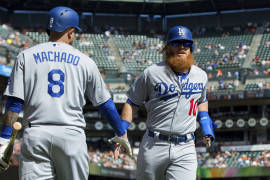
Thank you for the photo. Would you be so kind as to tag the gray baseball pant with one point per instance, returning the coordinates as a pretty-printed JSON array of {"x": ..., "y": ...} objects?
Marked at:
[
  {"x": 162, "y": 160},
  {"x": 54, "y": 153}
]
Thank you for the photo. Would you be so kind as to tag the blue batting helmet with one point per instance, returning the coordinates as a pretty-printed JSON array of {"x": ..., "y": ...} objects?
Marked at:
[
  {"x": 179, "y": 33},
  {"x": 61, "y": 18}
]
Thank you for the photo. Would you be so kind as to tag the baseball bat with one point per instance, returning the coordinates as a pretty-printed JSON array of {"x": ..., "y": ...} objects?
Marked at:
[{"x": 8, "y": 152}]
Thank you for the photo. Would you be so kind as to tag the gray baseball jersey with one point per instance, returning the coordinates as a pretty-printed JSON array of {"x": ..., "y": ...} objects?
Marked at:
[
  {"x": 52, "y": 79},
  {"x": 170, "y": 100}
]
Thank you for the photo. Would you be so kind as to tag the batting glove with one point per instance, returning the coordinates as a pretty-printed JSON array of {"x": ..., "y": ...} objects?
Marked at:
[
  {"x": 3, "y": 145},
  {"x": 123, "y": 142}
]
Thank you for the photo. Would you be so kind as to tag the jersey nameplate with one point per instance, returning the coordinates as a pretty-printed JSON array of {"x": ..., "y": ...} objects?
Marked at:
[{"x": 53, "y": 56}]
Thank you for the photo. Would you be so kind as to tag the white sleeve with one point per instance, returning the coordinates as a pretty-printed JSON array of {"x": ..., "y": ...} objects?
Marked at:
[
  {"x": 96, "y": 89},
  {"x": 137, "y": 93},
  {"x": 15, "y": 85},
  {"x": 203, "y": 97}
]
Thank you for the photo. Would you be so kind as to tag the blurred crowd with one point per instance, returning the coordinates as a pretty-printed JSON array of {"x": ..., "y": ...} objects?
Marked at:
[
  {"x": 11, "y": 43},
  {"x": 102, "y": 155},
  {"x": 142, "y": 52},
  {"x": 106, "y": 159},
  {"x": 262, "y": 60},
  {"x": 219, "y": 57},
  {"x": 234, "y": 159}
]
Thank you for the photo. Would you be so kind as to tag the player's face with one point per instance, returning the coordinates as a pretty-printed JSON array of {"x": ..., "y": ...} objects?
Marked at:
[
  {"x": 181, "y": 49},
  {"x": 179, "y": 56}
]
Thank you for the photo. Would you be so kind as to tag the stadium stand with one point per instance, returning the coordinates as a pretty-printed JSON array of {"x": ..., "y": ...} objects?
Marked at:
[
  {"x": 220, "y": 53},
  {"x": 234, "y": 159},
  {"x": 225, "y": 51},
  {"x": 237, "y": 67},
  {"x": 262, "y": 55},
  {"x": 138, "y": 52}
]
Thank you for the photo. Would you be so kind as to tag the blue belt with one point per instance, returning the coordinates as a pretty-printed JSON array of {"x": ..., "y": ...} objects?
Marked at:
[{"x": 172, "y": 138}]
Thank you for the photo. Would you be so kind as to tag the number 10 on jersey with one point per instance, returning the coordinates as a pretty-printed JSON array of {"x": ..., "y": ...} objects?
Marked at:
[
  {"x": 59, "y": 83},
  {"x": 193, "y": 107}
]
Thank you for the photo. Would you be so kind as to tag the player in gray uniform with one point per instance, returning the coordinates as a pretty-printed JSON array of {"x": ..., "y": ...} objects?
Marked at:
[
  {"x": 50, "y": 80},
  {"x": 174, "y": 94}
]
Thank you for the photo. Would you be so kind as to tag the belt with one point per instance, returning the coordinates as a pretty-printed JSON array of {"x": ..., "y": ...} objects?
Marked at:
[
  {"x": 171, "y": 138},
  {"x": 45, "y": 124}
]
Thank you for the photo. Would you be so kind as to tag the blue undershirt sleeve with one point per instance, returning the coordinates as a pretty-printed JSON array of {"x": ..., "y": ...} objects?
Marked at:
[
  {"x": 14, "y": 104},
  {"x": 110, "y": 114},
  {"x": 131, "y": 103}
]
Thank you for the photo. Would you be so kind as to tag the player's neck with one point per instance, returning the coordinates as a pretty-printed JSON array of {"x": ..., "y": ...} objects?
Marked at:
[
  {"x": 67, "y": 42},
  {"x": 184, "y": 71},
  {"x": 61, "y": 39}
]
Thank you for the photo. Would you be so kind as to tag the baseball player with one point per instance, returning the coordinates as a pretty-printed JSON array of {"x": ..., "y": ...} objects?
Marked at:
[
  {"x": 174, "y": 94},
  {"x": 50, "y": 80}
]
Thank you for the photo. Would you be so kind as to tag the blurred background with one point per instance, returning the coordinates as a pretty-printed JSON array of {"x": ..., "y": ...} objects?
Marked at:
[{"x": 123, "y": 37}]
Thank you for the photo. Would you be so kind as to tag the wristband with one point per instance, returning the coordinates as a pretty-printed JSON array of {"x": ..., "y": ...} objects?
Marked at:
[{"x": 6, "y": 131}]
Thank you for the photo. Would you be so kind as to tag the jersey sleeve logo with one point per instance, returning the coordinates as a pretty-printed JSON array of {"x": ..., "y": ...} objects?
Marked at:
[{"x": 51, "y": 22}]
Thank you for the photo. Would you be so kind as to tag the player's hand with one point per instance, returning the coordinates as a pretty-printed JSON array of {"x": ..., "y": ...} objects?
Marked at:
[
  {"x": 3, "y": 145},
  {"x": 118, "y": 142},
  {"x": 116, "y": 151},
  {"x": 207, "y": 141}
]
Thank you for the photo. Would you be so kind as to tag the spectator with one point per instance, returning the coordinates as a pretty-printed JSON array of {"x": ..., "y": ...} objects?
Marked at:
[
  {"x": 107, "y": 34},
  {"x": 236, "y": 74},
  {"x": 219, "y": 73}
]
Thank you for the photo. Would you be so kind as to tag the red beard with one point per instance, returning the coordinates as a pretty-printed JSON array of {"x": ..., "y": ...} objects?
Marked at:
[{"x": 179, "y": 64}]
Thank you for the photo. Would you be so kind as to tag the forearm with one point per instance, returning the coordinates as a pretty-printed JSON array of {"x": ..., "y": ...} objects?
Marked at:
[
  {"x": 128, "y": 112},
  {"x": 110, "y": 114},
  {"x": 203, "y": 107},
  {"x": 13, "y": 108},
  {"x": 205, "y": 121},
  {"x": 10, "y": 118}
]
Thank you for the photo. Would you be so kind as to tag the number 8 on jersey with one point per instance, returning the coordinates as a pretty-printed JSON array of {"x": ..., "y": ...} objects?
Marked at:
[{"x": 53, "y": 82}]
